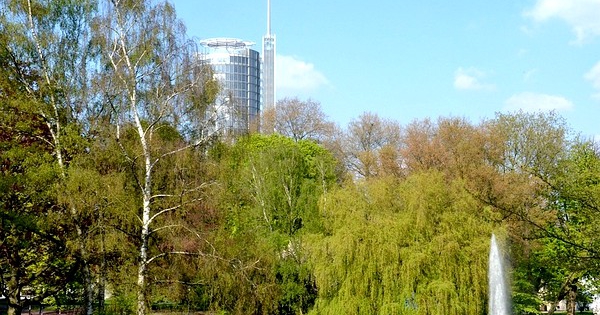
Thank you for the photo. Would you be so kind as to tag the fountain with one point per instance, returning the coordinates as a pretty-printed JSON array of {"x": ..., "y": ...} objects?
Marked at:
[{"x": 498, "y": 291}]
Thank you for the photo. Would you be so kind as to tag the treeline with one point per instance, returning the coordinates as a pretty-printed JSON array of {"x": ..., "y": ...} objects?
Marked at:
[{"x": 115, "y": 179}]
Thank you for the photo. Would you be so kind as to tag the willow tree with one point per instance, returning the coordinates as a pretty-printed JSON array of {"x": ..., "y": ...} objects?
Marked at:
[
  {"x": 390, "y": 246},
  {"x": 154, "y": 83}
]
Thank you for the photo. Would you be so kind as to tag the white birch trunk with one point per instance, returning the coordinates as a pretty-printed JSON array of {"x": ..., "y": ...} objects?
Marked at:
[{"x": 145, "y": 234}]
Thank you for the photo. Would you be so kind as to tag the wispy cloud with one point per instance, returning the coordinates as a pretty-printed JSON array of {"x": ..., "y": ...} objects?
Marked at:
[
  {"x": 471, "y": 79},
  {"x": 580, "y": 15},
  {"x": 594, "y": 77},
  {"x": 529, "y": 74},
  {"x": 534, "y": 102},
  {"x": 294, "y": 76}
]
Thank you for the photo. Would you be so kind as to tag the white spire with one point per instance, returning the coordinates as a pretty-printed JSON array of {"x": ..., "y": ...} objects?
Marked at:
[{"x": 268, "y": 17}]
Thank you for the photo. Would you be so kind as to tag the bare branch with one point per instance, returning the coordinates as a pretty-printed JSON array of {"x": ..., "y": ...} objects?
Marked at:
[
  {"x": 164, "y": 211},
  {"x": 164, "y": 227},
  {"x": 189, "y": 146},
  {"x": 162, "y": 196}
]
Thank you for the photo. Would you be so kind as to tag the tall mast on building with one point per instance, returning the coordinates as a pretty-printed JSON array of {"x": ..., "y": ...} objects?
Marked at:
[
  {"x": 268, "y": 68},
  {"x": 268, "y": 17}
]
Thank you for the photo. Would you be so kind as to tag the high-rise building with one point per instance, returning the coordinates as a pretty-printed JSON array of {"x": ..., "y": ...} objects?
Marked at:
[
  {"x": 237, "y": 67},
  {"x": 268, "y": 75}
]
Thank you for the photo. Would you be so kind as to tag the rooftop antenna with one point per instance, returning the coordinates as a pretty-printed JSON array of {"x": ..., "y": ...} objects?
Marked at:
[
  {"x": 268, "y": 65},
  {"x": 268, "y": 17}
]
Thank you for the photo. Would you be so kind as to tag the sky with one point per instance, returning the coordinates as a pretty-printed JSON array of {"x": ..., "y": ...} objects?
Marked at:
[{"x": 412, "y": 60}]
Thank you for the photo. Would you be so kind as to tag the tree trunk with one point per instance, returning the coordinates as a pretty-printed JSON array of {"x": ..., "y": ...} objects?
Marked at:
[
  {"x": 564, "y": 292},
  {"x": 14, "y": 303},
  {"x": 102, "y": 276},
  {"x": 552, "y": 307},
  {"x": 14, "y": 309},
  {"x": 13, "y": 294},
  {"x": 146, "y": 219},
  {"x": 88, "y": 289},
  {"x": 572, "y": 298},
  {"x": 101, "y": 292},
  {"x": 141, "y": 283}
]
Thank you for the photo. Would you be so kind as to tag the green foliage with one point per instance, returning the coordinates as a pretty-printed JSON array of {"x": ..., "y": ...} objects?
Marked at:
[
  {"x": 81, "y": 135},
  {"x": 281, "y": 179},
  {"x": 270, "y": 187},
  {"x": 297, "y": 285},
  {"x": 532, "y": 143},
  {"x": 120, "y": 304},
  {"x": 33, "y": 235},
  {"x": 413, "y": 247},
  {"x": 557, "y": 243}
]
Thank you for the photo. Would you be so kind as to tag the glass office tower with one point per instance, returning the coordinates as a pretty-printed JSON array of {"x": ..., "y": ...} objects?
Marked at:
[{"x": 237, "y": 67}]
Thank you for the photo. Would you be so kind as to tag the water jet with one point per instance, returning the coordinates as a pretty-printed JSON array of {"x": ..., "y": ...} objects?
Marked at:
[{"x": 499, "y": 303}]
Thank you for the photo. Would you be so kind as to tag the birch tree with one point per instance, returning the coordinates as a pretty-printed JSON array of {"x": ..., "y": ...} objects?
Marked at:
[
  {"x": 49, "y": 55},
  {"x": 32, "y": 254},
  {"x": 154, "y": 84}
]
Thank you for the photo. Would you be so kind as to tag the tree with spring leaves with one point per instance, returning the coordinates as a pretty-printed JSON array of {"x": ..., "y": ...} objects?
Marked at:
[
  {"x": 34, "y": 260},
  {"x": 154, "y": 84},
  {"x": 47, "y": 53},
  {"x": 401, "y": 246},
  {"x": 298, "y": 119},
  {"x": 369, "y": 146},
  {"x": 568, "y": 256},
  {"x": 269, "y": 192}
]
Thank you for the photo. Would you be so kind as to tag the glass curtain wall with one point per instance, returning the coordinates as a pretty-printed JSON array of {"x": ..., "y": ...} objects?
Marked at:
[{"x": 237, "y": 67}]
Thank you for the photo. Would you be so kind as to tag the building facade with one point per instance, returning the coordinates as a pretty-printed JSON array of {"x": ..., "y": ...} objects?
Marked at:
[{"x": 237, "y": 68}]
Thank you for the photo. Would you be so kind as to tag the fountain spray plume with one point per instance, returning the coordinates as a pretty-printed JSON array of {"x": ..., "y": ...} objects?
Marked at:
[{"x": 499, "y": 302}]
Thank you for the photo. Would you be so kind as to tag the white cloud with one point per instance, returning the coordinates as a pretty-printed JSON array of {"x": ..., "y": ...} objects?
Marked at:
[
  {"x": 529, "y": 74},
  {"x": 471, "y": 79},
  {"x": 581, "y": 15},
  {"x": 594, "y": 76},
  {"x": 294, "y": 76},
  {"x": 534, "y": 102}
]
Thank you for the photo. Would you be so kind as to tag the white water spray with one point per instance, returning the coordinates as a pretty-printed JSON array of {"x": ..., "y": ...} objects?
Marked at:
[{"x": 498, "y": 291}]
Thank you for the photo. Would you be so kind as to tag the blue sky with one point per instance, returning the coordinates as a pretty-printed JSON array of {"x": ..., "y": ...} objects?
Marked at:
[{"x": 408, "y": 60}]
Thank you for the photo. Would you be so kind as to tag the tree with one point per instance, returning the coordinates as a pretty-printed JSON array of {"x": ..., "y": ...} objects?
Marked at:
[
  {"x": 34, "y": 260},
  {"x": 285, "y": 179},
  {"x": 299, "y": 120},
  {"x": 154, "y": 84},
  {"x": 575, "y": 197},
  {"x": 532, "y": 155},
  {"x": 271, "y": 187},
  {"x": 48, "y": 54},
  {"x": 451, "y": 145},
  {"x": 401, "y": 246},
  {"x": 370, "y": 146},
  {"x": 571, "y": 240}
]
